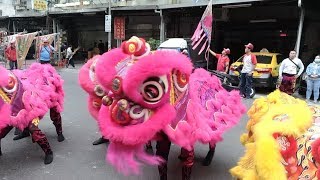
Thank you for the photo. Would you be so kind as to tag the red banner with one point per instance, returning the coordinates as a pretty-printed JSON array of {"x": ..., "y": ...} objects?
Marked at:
[{"x": 119, "y": 28}]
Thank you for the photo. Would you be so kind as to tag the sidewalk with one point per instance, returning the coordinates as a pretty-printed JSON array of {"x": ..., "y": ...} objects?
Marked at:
[{"x": 30, "y": 61}]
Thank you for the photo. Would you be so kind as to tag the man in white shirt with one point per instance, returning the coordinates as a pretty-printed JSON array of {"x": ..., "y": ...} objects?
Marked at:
[
  {"x": 70, "y": 57},
  {"x": 289, "y": 71},
  {"x": 249, "y": 64}
]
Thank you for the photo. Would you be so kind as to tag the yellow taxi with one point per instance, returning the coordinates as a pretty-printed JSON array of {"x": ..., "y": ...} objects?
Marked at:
[{"x": 266, "y": 71}]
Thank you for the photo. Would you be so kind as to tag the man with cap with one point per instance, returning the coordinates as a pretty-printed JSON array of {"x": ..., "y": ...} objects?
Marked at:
[
  {"x": 223, "y": 60},
  {"x": 249, "y": 64},
  {"x": 11, "y": 54},
  {"x": 45, "y": 52}
]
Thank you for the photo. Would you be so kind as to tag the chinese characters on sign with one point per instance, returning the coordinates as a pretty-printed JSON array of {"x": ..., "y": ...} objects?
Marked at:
[
  {"x": 107, "y": 23},
  {"x": 119, "y": 28},
  {"x": 40, "y": 5}
]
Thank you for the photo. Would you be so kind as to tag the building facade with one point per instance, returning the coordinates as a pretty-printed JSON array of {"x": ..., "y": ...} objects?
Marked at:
[{"x": 271, "y": 24}]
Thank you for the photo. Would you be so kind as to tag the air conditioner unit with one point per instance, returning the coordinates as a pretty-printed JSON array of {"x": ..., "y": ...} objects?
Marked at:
[
  {"x": 221, "y": 14},
  {"x": 20, "y": 7}
]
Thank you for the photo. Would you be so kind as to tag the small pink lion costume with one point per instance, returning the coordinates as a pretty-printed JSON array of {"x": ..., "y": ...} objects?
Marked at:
[
  {"x": 88, "y": 82},
  {"x": 25, "y": 97},
  {"x": 155, "y": 96}
]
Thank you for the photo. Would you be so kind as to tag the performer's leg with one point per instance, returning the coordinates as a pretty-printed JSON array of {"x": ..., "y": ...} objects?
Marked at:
[
  {"x": 187, "y": 164},
  {"x": 72, "y": 62},
  {"x": 207, "y": 161},
  {"x": 149, "y": 148},
  {"x": 101, "y": 140},
  {"x": 3, "y": 133},
  {"x": 182, "y": 155},
  {"x": 56, "y": 119},
  {"x": 163, "y": 148},
  {"x": 41, "y": 139},
  {"x": 16, "y": 64},
  {"x": 25, "y": 133},
  {"x": 11, "y": 64},
  {"x": 17, "y": 131},
  {"x": 149, "y": 145}
]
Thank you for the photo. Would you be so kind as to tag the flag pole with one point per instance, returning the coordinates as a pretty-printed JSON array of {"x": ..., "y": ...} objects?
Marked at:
[{"x": 202, "y": 34}]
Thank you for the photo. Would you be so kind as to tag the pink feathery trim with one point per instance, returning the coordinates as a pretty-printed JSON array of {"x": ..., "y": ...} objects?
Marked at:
[
  {"x": 5, "y": 112},
  {"x": 211, "y": 111},
  {"x": 105, "y": 68},
  {"x": 127, "y": 159},
  {"x": 4, "y": 78}
]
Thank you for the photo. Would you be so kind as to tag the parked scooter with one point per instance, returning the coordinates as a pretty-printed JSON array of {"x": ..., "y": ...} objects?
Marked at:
[{"x": 226, "y": 80}]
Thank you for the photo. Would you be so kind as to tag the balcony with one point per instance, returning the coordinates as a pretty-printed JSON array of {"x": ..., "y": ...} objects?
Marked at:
[{"x": 93, "y": 6}]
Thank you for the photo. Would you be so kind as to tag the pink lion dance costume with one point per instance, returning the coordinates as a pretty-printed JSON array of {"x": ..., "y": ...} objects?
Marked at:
[
  {"x": 155, "y": 96},
  {"x": 25, "y": 97},
  {"x": 88, "y": 82}
]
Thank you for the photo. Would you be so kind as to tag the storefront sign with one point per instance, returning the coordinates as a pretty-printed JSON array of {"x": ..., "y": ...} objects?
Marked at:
[
  {"x": 40, "y": 5},
  {"x": 107, "y": 23},
  {"x": 119, "y": 28}
]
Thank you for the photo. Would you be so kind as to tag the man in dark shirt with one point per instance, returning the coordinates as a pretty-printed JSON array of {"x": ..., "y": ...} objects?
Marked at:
[{"x": 101, "y": 47}]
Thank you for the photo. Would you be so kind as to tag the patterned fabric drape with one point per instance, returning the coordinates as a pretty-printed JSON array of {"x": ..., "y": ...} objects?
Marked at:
[
  {"x": 8, "y": 39},
  {"x": 23, "y": 43},
  {"x": 204, "y": 31}
]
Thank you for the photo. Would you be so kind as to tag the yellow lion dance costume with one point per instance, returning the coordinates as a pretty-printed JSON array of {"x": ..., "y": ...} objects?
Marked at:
[{"x": 282, "y": 140}]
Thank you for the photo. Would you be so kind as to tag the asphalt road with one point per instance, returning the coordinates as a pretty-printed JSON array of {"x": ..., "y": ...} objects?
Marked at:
[{"x": 77, "y": 159}]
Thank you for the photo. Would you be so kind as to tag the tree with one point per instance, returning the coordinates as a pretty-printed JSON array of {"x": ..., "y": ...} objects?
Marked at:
[{"x": 154, "y": 43}]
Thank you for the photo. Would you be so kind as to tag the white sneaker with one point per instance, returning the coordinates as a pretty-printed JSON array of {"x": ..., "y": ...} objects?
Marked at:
[{"x": 308, "y": 101}]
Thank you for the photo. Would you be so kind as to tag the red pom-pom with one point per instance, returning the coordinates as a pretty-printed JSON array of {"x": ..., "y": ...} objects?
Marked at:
[
  {"x": 134, "y": 46},
  {"x": 142, "y": 49},
  {"x": 129, "y": 47}
]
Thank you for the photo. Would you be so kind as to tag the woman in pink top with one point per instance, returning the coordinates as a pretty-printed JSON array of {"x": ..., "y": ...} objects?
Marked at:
[{"x": 223, "y": 60}]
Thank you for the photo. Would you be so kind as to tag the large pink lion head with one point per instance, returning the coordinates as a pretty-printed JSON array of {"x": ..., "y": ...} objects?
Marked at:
[
  {"x": 140, "y": 86},
  {"x": 144, "y": 88}
]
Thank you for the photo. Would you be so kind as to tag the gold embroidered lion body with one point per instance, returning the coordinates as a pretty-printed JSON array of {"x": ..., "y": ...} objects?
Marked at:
[{"x": 279, "y": 142}]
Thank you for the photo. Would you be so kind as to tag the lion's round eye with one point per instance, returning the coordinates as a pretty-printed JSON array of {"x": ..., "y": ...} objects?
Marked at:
[
  {"x": 12, "y": 85},
  {"x": 153, "y": 90},
  {"x": 180, "y": 81}
]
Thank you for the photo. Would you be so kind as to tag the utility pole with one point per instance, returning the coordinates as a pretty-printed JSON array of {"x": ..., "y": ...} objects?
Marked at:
[
  {"x": 109, "y": 33},
  {"x": 162, "y": 25},
  {"x": 48, "y": 18},
  {"x": 301, "y": 21}
]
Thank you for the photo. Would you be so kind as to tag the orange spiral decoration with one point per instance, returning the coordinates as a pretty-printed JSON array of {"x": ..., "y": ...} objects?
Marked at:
[{"x": 134, "y": 46}]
